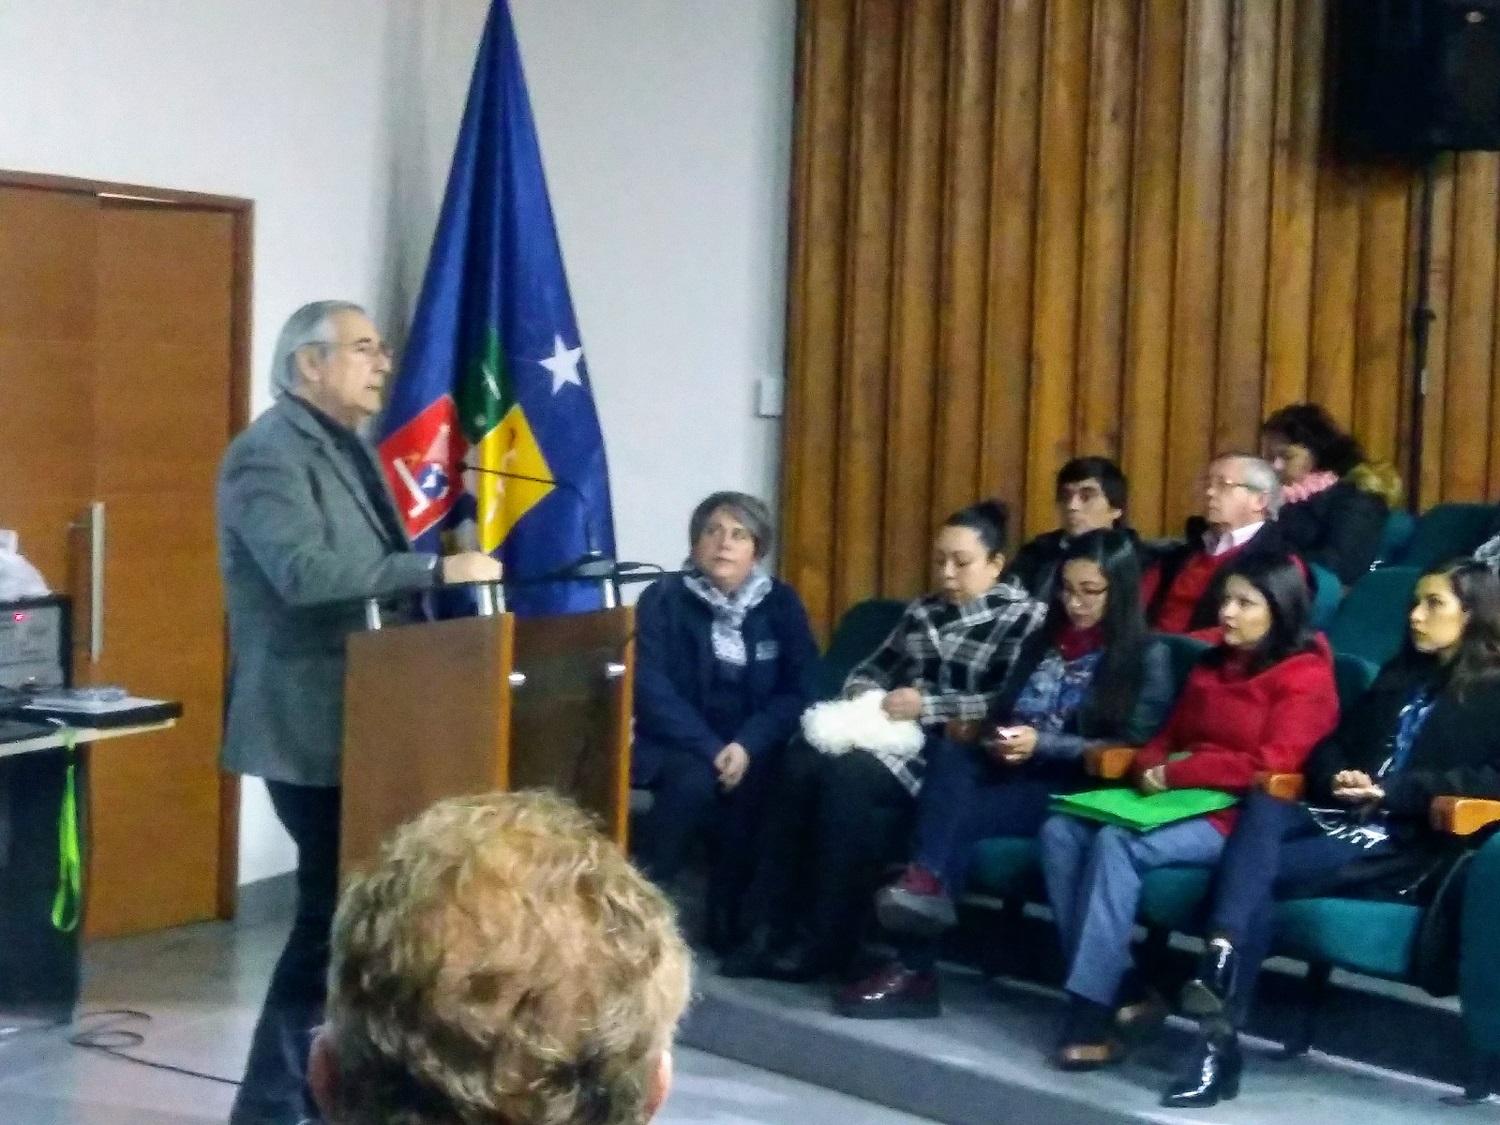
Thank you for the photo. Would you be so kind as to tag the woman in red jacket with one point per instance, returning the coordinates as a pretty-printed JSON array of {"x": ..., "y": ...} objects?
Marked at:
[{"x": 1256, "y": 703}]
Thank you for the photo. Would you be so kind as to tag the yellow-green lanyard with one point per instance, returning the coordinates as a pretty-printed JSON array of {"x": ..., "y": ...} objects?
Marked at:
[{"x": 68, "y": 901}]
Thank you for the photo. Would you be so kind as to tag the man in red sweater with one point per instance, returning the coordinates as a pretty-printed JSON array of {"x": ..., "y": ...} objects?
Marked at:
[{"x": 1182, "y": 590}]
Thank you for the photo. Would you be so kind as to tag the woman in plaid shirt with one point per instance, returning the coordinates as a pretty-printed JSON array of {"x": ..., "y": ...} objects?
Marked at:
[{"x": 836, "y": 821}]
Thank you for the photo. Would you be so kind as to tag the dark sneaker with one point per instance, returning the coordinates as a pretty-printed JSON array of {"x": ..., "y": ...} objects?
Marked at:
[{"x": 915, "y": 904}]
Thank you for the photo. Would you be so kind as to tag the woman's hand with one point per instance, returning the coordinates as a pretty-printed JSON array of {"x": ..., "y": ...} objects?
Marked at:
[
  {"x": 1355, "y": 787},
  {"x": 1153, "y": 781},
  {"x": 1013, "y": 745},
  {"x": 731, "y": 762},
  {"x": 903, "y": 703}
]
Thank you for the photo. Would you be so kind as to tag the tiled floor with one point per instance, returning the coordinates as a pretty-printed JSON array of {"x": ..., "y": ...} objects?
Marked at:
[{"x": 202, "y": 986}]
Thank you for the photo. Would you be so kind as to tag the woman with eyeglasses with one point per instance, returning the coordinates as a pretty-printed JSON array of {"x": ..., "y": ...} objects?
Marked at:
[
  {"x": 1087, "y": 677},
  {"x": 1257, "y": 702},
  {"x": 1428, "y": 727}
]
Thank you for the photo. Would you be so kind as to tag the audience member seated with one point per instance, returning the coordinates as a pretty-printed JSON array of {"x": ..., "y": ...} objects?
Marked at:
[
  {"x": 836, "y": 820},
  {"x": 1184, "y": 589},
  {"x": 1429, "y": 727},
  {"x": 1334, "y": 503},
  {"x": 1259, "y": 701},
  {"x": 1091, "y": 494},
  {"x": 501, "y": 962},
  {"x": 1088, "y": 677},
  {"x": 724, "y": 658}
]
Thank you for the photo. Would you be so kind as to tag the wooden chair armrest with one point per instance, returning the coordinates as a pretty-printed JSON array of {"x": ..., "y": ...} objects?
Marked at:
[
  {"x": 1286, "y": 786},
  {"x": 1462, "y": 816},
  {"x": 1108, "y": 763},
  {"x": 963, "y": 730}
]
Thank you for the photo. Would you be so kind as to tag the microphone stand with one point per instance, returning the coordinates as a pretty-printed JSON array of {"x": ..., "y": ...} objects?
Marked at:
[{"x": 593, "y": 564}]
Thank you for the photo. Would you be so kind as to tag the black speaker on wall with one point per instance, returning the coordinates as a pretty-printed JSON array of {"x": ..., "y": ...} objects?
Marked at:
[{"x": 1416, "y": 76}]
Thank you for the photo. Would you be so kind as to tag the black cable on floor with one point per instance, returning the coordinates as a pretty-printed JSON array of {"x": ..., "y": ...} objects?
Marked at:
[{"x": 112, "y": 1038}]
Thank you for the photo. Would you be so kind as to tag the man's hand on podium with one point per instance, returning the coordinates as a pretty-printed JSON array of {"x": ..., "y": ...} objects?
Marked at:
[{"x": 471, "y": 566}]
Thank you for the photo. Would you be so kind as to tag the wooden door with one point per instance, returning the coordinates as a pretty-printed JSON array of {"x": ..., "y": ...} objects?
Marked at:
[
  {"x": 127, "y": 366},
  {"x": 47, "y": 327}
]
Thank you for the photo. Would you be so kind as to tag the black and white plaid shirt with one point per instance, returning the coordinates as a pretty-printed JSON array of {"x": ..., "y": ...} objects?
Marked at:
[{"x": 956, "y": 656}]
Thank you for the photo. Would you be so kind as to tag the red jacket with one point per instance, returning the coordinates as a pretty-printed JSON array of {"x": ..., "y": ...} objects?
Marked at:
[{"x": 1226, "y": 727}]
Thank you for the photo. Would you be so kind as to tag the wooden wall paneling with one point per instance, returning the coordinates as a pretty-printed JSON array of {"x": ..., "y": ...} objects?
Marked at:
[
  {"x": 1242, "y": 316},
  {"x": 1013, "y": 187},
  {"x": 1439, "y": 301},
  {"x": 918, "y": 217},
  {"x": 1492, "y": 482},
  {"x": 1471, "y": 330},
  {"x": 1060, "y": 170},
  {"x": 1195, "y": 312},
  {"x": 811, "y": 424},
  {"x": 966, "y": 168},
  {"x": 1294, "y": 172},
  {"x": 861, "y": 483},
  {"x": 1149, "y": 288},
  {"x": 1335, "y": 293},
  {"x": 1106, "y": 229},
  {"x": 1382, "y": 303}
]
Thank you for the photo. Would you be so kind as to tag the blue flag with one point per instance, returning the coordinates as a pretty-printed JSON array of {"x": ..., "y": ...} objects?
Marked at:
[{"x": 494, "y": 373}]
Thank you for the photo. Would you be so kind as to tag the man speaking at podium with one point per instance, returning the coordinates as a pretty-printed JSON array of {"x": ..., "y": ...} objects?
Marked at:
[{"x": 307, "y": 531}]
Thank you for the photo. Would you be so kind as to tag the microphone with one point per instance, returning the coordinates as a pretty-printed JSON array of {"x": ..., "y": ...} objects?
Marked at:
[
  {"x": 593, "y": 565},
  {"x": 591, "y": 549}
]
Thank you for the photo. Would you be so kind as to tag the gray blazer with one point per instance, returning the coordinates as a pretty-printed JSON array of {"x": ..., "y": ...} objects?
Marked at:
[{"x": 300, "y": 543}]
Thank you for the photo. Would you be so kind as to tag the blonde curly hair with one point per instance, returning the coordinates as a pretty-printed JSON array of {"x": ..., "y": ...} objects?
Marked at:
[{"x": 502, "y": 962}]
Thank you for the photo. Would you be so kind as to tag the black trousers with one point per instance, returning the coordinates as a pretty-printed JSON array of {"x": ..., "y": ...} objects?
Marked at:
[
  {"x": 688, "y": 804},
  {"x": 274, "y": 1088},
  {"x": 833, "y": 826},
  {"x": 1275, "y": 846}
]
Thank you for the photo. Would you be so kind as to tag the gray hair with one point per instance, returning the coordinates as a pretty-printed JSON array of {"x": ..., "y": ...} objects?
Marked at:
[
  {"x": 308, "y": 325},
  {"x": 749, "y": 510},
  {"x": 1258, "y": 476}
]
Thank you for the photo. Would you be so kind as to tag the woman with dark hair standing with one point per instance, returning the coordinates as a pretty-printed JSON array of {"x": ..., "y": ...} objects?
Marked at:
[
  {"x": 1428, "y": 727},
  {"x": 724, "y": 656},
  {"x": 837, "y": 819},
  {"x": 1086, "y": 677},
  {"x": 1257, "y": 702},
  {"x": 1334, "y": 501}
]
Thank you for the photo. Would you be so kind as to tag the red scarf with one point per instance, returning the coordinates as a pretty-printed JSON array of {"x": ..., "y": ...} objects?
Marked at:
[{"x": 1073, "y": 642}]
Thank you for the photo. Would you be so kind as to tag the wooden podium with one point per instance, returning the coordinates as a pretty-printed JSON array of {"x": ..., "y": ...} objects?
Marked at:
[{"x": 443, "y": 708}]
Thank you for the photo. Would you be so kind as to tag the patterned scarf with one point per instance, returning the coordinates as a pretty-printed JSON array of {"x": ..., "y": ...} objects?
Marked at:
[
  {"x": 729, "y": 610},
  {"x": 1310, "y": 485}
]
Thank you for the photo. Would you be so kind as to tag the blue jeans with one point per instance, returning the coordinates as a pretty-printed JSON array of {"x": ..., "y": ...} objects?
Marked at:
[
  {"x": 966, "y": 797},
  {"x": 1094, "y": 876},
  {"x": 274, "y": 1088}
]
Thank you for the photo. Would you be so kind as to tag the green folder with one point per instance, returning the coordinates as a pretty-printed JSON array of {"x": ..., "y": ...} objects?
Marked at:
[{"x": 1130, "y": 809}]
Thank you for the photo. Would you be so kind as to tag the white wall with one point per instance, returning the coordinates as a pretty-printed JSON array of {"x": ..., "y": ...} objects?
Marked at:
[{"x": 665, "y": 127}]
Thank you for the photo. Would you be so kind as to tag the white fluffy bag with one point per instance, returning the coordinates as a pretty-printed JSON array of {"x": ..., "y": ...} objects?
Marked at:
[{"x": 841, "y": 725}]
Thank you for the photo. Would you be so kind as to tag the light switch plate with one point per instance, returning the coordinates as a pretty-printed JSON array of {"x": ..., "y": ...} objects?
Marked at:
[{"x": 770, "y": 395}]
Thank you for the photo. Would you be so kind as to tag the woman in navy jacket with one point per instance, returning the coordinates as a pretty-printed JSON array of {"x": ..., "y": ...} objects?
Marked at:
[{"x": 724, "y": 657}]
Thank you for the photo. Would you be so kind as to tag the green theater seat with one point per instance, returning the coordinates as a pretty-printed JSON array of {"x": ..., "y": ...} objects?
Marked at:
[
  {"x": 1448, "y": 531},
  {"x": 1371, "y": 621},
  {"x": 1006, "y": 866},
  {"x": 859, "y": 633},
  {"x": 1363, "y": 935}
]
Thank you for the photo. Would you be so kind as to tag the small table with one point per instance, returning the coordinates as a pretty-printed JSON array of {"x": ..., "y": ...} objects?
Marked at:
[{"x": 56, "y": 740}]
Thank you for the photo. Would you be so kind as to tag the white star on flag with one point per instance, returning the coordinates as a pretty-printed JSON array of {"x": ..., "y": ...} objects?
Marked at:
[{"x": 563, "y": 363}]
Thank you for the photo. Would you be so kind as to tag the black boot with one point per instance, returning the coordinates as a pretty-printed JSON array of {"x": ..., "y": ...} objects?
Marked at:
[
  {"x": 1207, "y": 994},
  {"x": 1214, "y": 1077}
]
